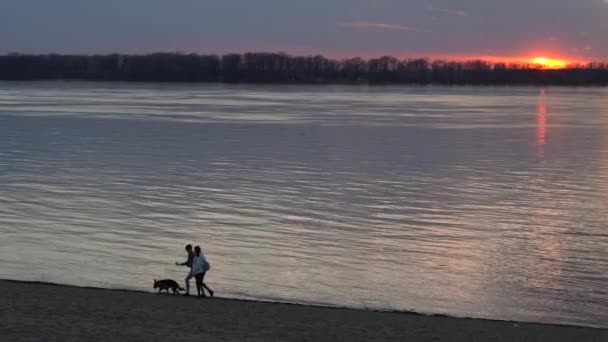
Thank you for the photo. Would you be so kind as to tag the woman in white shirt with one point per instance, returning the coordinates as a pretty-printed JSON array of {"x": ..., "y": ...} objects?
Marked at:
[{"x": 200, "y": 266}]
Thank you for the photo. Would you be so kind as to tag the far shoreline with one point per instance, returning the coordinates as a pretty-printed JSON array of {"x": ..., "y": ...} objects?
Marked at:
[
  {"x": 373, "y": 86},
  {"x": 282, "y": 68}
]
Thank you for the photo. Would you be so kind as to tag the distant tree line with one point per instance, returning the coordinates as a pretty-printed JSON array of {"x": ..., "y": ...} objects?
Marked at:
[{"x": 283, "y": 68}]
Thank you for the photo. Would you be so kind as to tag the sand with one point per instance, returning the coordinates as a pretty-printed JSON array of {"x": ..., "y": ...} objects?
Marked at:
[{"x": 46, "y": 312}]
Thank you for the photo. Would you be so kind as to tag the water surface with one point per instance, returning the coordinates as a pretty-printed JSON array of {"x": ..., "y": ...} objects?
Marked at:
[{"x": 484, "y": 202}]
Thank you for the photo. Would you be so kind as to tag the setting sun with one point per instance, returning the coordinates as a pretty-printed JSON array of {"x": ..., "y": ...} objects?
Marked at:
[{"x": 549, "y": 63}]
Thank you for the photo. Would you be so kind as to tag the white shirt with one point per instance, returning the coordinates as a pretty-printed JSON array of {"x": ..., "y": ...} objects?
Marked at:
[{"x": 198, "y": 264}]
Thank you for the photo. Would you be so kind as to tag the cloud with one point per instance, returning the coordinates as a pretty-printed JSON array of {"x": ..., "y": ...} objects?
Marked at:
[
  {"x": 376, "y": 26},
  {"x": 449, "y": 11}
]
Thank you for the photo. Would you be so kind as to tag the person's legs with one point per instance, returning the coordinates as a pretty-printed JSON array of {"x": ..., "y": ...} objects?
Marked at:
[
  {"x": 205, "y": 285},
  {"x": 208, "y": 289},
  {"x": 199, "y": 285},
  {"x": 188, "y": 283}
]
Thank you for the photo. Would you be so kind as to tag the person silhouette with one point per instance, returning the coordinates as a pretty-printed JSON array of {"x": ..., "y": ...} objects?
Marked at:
[
  {"x": 200, "y": 266},
  {"x": 188, "y": 263}
]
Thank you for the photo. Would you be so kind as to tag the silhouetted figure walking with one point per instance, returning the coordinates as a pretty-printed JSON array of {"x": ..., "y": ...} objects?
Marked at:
[
  {"x": 188, "y": 263},
  {"x": 200, "y": 266}
]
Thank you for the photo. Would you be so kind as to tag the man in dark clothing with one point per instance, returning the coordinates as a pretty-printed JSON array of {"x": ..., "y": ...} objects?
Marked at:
[{"x": 188, "y": 263}]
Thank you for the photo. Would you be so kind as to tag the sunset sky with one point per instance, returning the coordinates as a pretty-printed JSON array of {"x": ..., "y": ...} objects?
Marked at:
[{"x": 562, "y": 29}]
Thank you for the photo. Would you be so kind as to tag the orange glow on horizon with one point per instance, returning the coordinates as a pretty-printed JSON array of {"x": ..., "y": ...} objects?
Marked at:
[
  {"x": 533, "y": 58},
  {"x": 548, "y": 63},
  {"x": 541, "y": 61}
]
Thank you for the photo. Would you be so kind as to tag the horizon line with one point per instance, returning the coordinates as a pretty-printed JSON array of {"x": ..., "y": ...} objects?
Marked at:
[{"x": 438, "y": 57}]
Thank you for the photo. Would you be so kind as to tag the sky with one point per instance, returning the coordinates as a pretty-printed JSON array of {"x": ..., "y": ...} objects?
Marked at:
[{"x": 567, "y": 29}]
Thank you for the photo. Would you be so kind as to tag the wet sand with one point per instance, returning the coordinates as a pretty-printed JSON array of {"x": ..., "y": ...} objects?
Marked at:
[{"x": 47, "y": 312}]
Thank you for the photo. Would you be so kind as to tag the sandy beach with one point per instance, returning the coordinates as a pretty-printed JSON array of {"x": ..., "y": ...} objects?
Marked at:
[{"x": 47, "y": 312}]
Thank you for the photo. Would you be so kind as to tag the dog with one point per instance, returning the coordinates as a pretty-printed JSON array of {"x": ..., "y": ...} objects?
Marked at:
[{"x": 166, "y": 284}]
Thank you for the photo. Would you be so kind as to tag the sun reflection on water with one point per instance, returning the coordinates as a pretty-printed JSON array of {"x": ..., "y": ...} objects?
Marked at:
[{"x": 541, "y": 123}]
